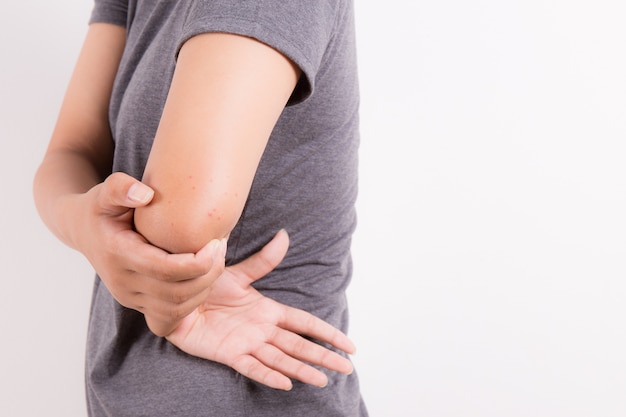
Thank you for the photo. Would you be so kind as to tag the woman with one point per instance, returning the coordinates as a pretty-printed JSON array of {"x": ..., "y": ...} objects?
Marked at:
[{"x": 240, "y": 118}]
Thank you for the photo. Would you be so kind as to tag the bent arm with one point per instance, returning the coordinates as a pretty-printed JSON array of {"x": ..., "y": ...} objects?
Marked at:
[{"x": 226, "y": 96}]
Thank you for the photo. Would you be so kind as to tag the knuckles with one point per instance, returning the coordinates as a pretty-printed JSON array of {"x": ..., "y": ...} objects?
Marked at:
[
  {"x": 177, "y": 312},
  {"x": 178, "y": 297}
]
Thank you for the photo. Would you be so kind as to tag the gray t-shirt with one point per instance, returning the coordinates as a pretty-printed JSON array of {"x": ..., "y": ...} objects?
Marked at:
[{"x": 306, "y": 183}]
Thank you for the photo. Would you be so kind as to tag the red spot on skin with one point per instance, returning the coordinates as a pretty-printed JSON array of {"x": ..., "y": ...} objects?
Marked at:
[
  {"x": 190, "y": 177},
  {"x": 193, "y": 188}
]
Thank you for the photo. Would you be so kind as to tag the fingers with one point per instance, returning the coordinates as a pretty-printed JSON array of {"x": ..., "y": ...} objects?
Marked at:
[
  {"x": 304, "y": 350},
  {"x": 301, "y": 322},
  {"x": 272, "y": 367},
  {"x": 175, "y": 289},
  {"x": 254, "y": 369},
  {"x": 264, "y": 261},
  {"x": 120, "y": 190},
  {"x": 277, "y": 360},
  {"x": 164, "y": 287},
  {"x": 285, "y": 356},
  {"x": 149, "y": 260},
  {"x": 173, "y": 301},
  {"x": 286, "y": 352}
]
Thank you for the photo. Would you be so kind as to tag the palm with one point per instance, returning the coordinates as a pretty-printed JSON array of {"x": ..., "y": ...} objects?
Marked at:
[
  {"x": 232, "y": 318},
  {"x": 258, "y": 337}
]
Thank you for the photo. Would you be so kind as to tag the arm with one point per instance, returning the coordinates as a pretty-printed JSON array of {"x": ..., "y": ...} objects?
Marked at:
[
  {"x": 95, "y": 217},
  {"x": 80, "y": 152},
  {"x": 225, "y": 98},
  {"x": 226, "y": 95}
]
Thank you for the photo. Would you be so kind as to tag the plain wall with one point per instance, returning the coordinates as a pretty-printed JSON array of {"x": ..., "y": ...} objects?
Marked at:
[{"x": 490, "y": 258}]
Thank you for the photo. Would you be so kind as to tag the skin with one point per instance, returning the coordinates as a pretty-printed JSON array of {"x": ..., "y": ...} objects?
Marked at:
[
  {"x": 226, "y": 95},
  {"x": 258, "y": 337},
  {"x": 173, "y": 271}
]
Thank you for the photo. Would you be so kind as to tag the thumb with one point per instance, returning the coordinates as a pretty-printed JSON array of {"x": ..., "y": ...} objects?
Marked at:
[
  {"x": 263, "y": 262},
  {"x": 120, "y": 190},
  {"x": 139, "y": 193}
]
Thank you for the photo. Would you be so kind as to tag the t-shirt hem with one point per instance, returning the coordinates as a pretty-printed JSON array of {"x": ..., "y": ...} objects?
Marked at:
[
  {"x": 109, "y": 15},
  {"x": 264, "y": 33}
]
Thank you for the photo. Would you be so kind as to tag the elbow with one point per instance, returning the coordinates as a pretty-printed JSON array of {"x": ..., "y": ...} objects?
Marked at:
[{"x": 184, "y": 228}]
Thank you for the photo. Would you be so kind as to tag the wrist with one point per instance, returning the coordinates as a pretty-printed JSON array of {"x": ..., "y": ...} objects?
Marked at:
[{"x": 67, "y": 212}]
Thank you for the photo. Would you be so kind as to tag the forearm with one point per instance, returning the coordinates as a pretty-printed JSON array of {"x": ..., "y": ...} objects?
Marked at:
[
  {"x": 80, "y": 151},
  {"x": 91, "y": 210},
  {"x": 61, "y": 180}
]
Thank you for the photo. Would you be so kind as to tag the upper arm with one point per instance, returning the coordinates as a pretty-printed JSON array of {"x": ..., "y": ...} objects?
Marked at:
[
  {"x": 226, "y": 96},
  {"x": 83, "y": 124}
]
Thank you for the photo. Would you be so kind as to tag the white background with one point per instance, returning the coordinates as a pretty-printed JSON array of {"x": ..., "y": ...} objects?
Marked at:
[{"x": 490, "y": 257}]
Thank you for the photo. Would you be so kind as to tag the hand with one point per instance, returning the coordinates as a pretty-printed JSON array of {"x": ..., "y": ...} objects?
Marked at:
[
  {"x": 257, "y": 336},
  {"x": 163, "y": 286}
]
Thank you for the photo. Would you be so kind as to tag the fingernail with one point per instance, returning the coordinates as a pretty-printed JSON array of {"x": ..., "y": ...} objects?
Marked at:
[
  {"x": 140, "y": 193},
  {"x": 215, "y": 249},
  {"x": 223, "y": 247}
]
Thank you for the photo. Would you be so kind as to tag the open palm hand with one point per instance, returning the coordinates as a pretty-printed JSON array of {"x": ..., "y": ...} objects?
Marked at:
[{"x": 258, "y": 337}]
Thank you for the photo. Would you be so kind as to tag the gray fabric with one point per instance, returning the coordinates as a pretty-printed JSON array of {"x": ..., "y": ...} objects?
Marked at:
[{"x": 306, "y": 183}]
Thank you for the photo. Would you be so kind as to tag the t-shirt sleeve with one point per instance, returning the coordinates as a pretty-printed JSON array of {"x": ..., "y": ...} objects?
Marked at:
[
  {"x": 109, "y": 11},
  {"x": 299, "y": 29}
]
